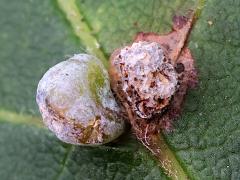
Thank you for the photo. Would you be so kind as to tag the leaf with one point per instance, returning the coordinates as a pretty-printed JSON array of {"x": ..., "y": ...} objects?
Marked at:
[
  {"x": 34, "y": 153},
  {"x": 35, "y": 35}
]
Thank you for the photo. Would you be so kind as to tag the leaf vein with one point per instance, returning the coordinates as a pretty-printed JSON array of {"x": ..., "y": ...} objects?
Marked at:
[
  {"x": 64, "y": 162},
  {"x": 81, "y": 29}
]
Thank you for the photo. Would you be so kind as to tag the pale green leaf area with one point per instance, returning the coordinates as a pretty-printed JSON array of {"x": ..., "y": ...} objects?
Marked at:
[{"x": 35, "y": 35}]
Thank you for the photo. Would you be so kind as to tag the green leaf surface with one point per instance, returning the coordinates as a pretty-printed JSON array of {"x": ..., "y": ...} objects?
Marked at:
[
  {"x": 31, "y": 153},
  {"x": 34, "y": 35},
  {"x": 206, "y": 138}
]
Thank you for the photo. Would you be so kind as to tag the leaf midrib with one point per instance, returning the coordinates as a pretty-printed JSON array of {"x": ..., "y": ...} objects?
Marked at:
[{"x": 82, "y": 29}]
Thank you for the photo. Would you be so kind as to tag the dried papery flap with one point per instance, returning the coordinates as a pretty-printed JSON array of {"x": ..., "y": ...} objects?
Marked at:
[
  {"x": 176, "y": 55},
  {"x": 174, "y": 41}
]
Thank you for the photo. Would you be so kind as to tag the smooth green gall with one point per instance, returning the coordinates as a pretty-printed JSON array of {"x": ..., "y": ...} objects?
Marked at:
[{"x": 76, "y": 102}]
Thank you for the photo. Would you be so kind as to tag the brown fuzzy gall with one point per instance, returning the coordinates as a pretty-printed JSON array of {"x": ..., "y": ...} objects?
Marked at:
[
  {"x": 151, "y": 76},
  {"x": 147, "y": 77}
]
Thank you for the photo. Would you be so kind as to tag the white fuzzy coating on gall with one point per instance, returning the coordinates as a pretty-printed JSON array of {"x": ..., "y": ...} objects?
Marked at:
[
  {"x": 148, "y": 77},
  {"x": 76, "y": 102}
]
